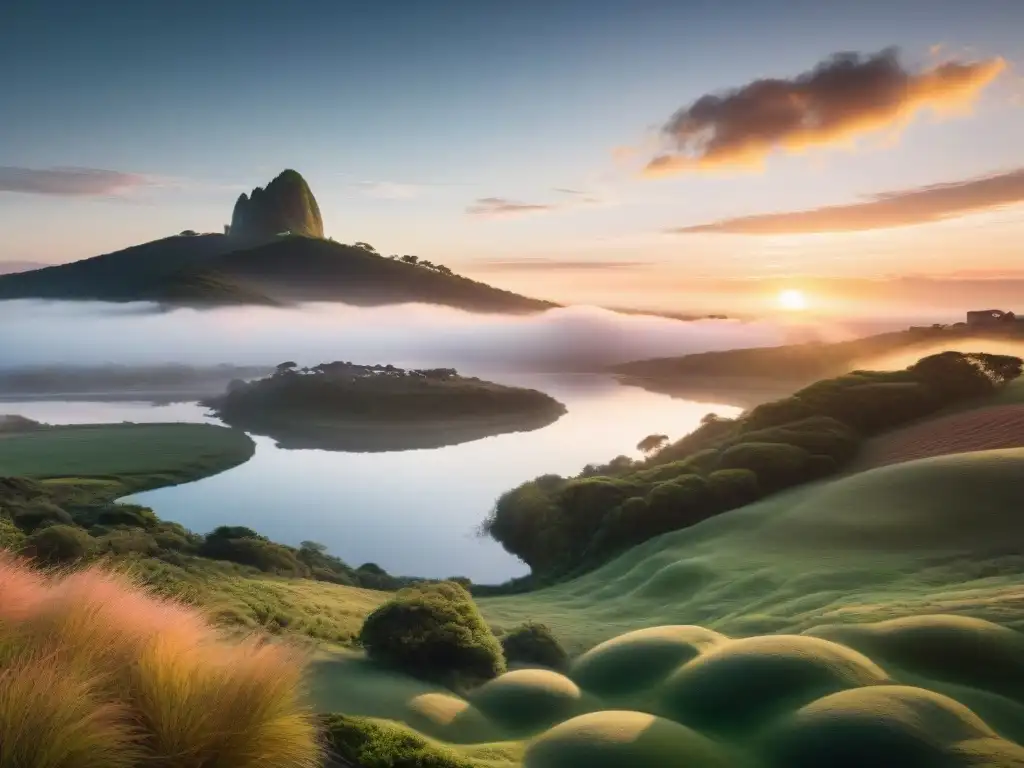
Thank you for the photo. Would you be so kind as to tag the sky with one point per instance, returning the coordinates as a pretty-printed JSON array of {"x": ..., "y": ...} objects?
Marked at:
[{"x": 626, "y": 152}]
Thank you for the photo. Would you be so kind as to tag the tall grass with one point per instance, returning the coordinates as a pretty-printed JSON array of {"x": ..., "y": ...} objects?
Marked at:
[{"x": 95, "y": 671}]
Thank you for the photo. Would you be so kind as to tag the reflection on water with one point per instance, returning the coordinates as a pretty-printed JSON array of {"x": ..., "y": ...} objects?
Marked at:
[{"x": 411, "y": 512}]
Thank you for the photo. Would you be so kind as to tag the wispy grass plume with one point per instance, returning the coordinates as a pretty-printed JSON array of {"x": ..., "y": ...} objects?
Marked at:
[{"x": 97, "y": 672}]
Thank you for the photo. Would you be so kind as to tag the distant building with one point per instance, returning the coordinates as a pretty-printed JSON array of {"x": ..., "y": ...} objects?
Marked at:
[{"x": 990, "y": 317}]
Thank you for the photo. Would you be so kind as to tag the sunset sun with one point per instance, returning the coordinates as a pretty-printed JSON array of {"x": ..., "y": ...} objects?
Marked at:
[{"x": 792, "y": 300}]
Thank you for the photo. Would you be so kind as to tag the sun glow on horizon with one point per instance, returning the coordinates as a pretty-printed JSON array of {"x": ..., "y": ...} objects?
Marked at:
[{"x": 792, "y": 300}]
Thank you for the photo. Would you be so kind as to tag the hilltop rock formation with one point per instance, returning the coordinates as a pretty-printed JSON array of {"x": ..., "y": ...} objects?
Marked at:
[{"x": 286, "y": 204}]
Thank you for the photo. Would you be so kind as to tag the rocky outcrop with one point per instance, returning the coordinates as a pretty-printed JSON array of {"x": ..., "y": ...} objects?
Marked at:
[{"x": 286, "y": 204}]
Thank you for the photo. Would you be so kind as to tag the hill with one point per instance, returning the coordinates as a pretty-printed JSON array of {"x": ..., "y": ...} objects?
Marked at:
[
  {"x": 10, "y": 267},
  {"x": 763, "y": 373},
  {"x": 854, "y": 614},
  {"x": 274, "y": 252},
  {"x": 205, "y": 270}
]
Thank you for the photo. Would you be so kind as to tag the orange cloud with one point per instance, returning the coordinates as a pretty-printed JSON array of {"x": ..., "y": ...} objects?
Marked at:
[
  {"x": 921, "y": 205},
  {"x": 843, "y": 98}
]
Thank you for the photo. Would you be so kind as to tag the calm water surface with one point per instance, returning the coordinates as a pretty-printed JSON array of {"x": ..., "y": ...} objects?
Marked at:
[{"x": 411, "y": 512}]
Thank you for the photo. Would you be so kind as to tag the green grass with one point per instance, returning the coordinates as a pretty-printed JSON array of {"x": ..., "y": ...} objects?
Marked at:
[
  {"x": 870, "y": 619},
  {"x": 104, "y": 461},
  {"x": 829, "y": 563}
]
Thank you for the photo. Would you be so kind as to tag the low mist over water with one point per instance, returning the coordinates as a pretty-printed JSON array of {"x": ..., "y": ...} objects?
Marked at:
[{"x": 572, "y": 338}]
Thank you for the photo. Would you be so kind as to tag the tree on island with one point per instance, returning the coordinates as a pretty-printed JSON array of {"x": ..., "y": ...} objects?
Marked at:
[
  {"x": 283, "y": 368},
  {"x": 652, "y": 444}
]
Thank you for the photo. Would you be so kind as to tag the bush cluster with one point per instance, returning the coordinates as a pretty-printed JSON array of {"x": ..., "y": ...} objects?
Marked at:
[
  {"x": 534, "y": 643},
  {"x": 435, "y": 632},
  {"x": 36, "y": 522},
  {"x": 369, "y": 744},
  {"x": 560, "y": 526}
]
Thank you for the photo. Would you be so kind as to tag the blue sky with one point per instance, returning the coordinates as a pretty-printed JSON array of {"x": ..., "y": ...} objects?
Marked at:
[{"x": 401, "y": 115}]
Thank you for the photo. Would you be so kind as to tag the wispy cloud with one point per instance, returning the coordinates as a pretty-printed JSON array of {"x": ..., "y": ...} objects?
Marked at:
[
  {"x": 389, "y": 190},
  {"x": 502, "y": 206},
  {"x": 841, "y": 99},
  {"x": 68, "y": 182},
  {"x": 884, "y": 210},
  {"x": 545, "y": 265}
]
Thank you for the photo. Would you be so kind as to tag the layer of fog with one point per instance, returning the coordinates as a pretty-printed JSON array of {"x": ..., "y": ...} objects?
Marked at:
[
  {"x": 568, "y": 339},
  {"x": 908, "y": 356}
]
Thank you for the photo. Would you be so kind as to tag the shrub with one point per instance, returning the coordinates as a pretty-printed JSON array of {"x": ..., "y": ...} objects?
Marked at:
[
  {"x": 683, "y": 501},
  {"x": 954, "y": 376},
  {"x": 777, "y": 465},
  {"x": 620, "y": 529},
  {"x": 821, "y": 466},
  {"x": 130, "y": 541},
  {"x": 370, "y": 744},
  {"x": 173, "y": 542},
  {"x": 60, "y": 544},
  {"x": 534, "y": 643},
  {"x": 522, "y": 519},
  {"x": 97, "y": 672},
  {"x": 11, "y": 538},
  {"x": 127, "y": 514},
  {"x": 817, "y": 434},
  {"x": 253, "y": 550},
  {"x": 582, "y": 505},
  {"x": 39, "y": 513},
  {"x": 433, "y": 631},
  {"x": 776, "y": 413},
  {"x": 734, "y": 487}
]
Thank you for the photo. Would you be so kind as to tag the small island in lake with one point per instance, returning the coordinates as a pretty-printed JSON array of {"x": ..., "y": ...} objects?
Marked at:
[{"x": 342, "y": 406}]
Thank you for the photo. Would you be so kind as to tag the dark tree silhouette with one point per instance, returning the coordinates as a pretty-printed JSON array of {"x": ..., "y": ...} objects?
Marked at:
[{"x": 651, "y": 444}]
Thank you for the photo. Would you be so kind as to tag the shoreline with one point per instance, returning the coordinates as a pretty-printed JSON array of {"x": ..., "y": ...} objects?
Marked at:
[
  {"x": 740, "y": 391},
  {"x": 381, "y": 436},
  {"x": 103, "y": 463}
]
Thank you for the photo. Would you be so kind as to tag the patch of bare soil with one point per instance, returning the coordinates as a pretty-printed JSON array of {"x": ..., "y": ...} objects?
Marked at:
[{"x": 981, "y": 430}]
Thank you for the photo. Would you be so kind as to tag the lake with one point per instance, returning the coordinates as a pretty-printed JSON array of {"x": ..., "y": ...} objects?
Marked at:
[{"x": 411, "y": 512}]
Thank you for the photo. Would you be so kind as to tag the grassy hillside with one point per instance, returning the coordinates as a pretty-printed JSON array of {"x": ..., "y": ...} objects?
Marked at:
[
  {"x": 219, "y": 269},
  {"x": 884, "y": 615},
  {"x": 871, "y": 619},
  {"x": 295, "y": 269},
  {"x": 126, "y": 275},
  {"x": 105, "y": 461}
]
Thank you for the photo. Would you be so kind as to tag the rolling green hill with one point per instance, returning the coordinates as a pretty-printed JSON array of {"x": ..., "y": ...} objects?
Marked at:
[
  {"x": 224, "y": 269},
  {"x": 275, "y": 254},
  {"x": 874, "y": 619}
]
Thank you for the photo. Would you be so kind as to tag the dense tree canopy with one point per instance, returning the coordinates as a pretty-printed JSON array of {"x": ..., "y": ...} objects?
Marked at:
[{"x": 560, "y": 525}]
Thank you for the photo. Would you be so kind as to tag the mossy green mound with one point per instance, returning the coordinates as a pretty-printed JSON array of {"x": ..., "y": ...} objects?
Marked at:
[
  {"x": 770, "y": 701},
  {"x": 620, "y": 738},
  {"x": 782, "y": 643},
  {"x": 889, "y": 726},
  {"x": 742, "y": 684},
  {"x": 636, "y": 660},
  {"x": 957, "y": 649},
  {"x": 527, "y": 700}
]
